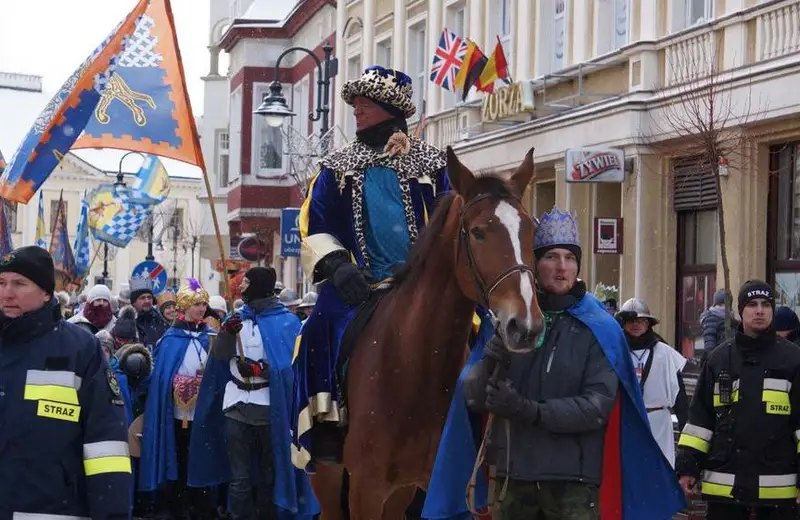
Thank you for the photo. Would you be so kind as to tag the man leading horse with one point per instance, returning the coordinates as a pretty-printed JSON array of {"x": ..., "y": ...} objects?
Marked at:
[{"x": 363, "y": 212}]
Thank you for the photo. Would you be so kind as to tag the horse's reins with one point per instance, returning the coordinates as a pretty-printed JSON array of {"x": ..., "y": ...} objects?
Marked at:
[{"x": 486, "y": 292}]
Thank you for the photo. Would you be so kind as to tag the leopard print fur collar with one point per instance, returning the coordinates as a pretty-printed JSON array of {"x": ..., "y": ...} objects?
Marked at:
[{"x": 355, "y": 158}]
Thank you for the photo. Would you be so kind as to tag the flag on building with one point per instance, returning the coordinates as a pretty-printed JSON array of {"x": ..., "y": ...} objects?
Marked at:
[
  {"x": 6, "y": 245},
  {"x": 447, "y": 60},
  {"x": 130, "y": 95},
  {"x": 81, "y": 248},
  {"x": 39, "y": 241},
  {"x": 496, "y": 68},
  {"x": 60, "y": 249},
  {"x": 67, "y": 114},
  {"x": 471, "y": 69}
]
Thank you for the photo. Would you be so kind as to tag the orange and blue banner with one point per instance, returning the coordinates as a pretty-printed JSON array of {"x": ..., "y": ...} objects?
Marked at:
[
  {"x": 6, "y": 245},
  {"x": 60, "y": 249},
  {"x": 129, "y": 95}
]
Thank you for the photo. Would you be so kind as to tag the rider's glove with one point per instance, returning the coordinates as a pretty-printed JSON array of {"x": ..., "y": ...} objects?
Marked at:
[{"x": 347, "y": 278}]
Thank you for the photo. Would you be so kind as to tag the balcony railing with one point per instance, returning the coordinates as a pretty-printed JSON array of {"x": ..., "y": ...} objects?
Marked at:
[
  {"x": 778, "y": 31},
  {"x": 690, "y": 57}
]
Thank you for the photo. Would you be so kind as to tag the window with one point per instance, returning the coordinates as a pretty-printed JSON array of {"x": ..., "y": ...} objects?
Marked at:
[
  {"x": 559, "y": 35},
  {"x": 267, "y": 141},
  {"x": 383, "y": 53},
  {"x": 504, "y": 27},
  {"x": 621, "y": 23},
  {"x": 11, "y": 215},
  {"x": 235, "y": 133},
  {"x": 418, "y": 64},
  {"x": 300, "y": 105},
  {"x": 223, "y": 157},
  {"x": 698, "y": 11},
  {"x": 353, "y": 72},
  {"x": 54, "y": 212},
  {"x": 456, "y": 24},
  {"x": 783, "y": 242},
  {"x": 697, "y": 270},
  {"x": 175, "y": 229}
]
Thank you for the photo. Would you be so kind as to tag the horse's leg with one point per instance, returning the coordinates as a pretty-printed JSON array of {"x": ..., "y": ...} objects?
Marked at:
[
  {"x": 398, "y": 502},
  {"x": 327, "y": 485},
  {"x": 367, "y": 497}
]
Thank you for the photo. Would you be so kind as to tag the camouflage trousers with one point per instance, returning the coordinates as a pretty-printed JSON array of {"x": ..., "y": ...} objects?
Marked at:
[{"x": 555, "y": 500}]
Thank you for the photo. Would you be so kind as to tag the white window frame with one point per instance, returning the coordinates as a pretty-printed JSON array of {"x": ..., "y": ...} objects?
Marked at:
[
  {"x": 455, "y": 9},
  {"x": 560, "y": 25},
  {"x": 418, "y": 72},
  {"x": 383, "y": 50},
  {"x": 620, "y": 40},
  {"x": 300, "y": 105},
  {"x": 235, "y": 133},
  {"x": 352, "y": 72},
  {"x": 708, "y": 12},
  {"x": 258, "y": 126},
  {"x": 222, "y": 146}
]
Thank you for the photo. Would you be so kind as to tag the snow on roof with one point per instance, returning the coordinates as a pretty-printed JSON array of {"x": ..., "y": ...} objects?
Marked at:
[
  {"x": 21, "y": 102},
  {"x": 276, "y": 10}
]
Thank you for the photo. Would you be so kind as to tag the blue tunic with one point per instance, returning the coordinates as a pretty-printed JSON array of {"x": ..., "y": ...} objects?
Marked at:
[{"x": 386, "y": 231}]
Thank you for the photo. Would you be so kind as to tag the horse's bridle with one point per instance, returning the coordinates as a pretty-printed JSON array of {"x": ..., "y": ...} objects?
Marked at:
[{"x": 486, "y": 289}]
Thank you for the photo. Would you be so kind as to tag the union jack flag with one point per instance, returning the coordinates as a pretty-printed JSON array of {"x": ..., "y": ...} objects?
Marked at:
[{"x": 447, "y": 60}]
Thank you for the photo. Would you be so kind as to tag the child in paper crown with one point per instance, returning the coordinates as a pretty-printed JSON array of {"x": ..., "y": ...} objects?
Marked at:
[{"x": 176, "y": 457}]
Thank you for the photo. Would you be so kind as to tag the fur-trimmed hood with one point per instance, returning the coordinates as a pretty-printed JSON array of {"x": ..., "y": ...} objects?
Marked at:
[{"x": 133, "y": 348}]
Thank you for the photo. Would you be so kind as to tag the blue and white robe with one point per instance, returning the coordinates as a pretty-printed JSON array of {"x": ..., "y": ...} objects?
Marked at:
[{"x": 373, "y": 206}]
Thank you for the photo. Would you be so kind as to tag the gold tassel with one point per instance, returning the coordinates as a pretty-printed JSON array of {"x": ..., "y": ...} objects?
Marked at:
[{"x": 398, "y": 144}]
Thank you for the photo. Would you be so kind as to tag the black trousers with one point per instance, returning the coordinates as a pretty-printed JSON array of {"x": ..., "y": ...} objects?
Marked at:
[
  {"x": 177, "y": 498},
  {"x": 739, "y": 512},
  {"x": 250, "y": 457}
]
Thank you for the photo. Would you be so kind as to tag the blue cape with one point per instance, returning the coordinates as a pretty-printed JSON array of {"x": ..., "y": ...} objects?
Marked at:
[
  {"x": 159, "y": 462},
  {"x": 649, "y": 487},
  {"x": 279, "y": 329}
]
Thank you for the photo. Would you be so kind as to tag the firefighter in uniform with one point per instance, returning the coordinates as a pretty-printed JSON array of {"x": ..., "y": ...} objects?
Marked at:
[
  {"x": 63, "y": 436},
  {"x": 741, "y": 442}
]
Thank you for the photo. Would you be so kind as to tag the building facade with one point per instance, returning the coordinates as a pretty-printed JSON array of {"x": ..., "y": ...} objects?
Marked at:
[
  {"x": 257, "y": 165},
  {"x": 179, "y": 233},
  {"x": 618, "y": 74}
]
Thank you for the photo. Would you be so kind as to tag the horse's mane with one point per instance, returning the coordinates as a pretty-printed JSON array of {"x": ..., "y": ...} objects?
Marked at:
[{"x": 431, "y": 236}]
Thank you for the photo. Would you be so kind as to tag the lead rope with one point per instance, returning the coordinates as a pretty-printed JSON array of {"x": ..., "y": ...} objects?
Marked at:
[{"x": 480, "y": 459}]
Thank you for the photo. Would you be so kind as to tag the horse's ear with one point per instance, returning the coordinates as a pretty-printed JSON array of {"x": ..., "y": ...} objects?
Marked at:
[
  {"x": 461, "y": 178},
  {"x": 524, "y": 174}
]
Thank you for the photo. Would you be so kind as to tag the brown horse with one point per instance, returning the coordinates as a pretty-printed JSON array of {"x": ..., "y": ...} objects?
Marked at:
[{"x": 477, "y": 249}]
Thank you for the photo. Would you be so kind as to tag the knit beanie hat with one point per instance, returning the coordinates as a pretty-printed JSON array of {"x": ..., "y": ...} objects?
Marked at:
[
  {"x": 262, "y": 283},
  {"x": 99, "y": 292},
  {"x": 34, "y": 263},
  {"x": 719, "y": 296},
  {"x": 785, "y": 319},
  {"x": 753, "y": 290}
]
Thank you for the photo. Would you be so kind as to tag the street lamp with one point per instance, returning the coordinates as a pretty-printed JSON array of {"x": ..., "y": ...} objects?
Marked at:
[
  {"x": 274, "y": 108},
  {"x": 119, "y": 182}
]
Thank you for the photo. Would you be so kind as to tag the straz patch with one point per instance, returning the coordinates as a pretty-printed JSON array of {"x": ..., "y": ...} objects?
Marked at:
[
  {"x": 113, "y": 385},
  {"x": 60, "y": 411},
  {"x": 779, "y": 409}
]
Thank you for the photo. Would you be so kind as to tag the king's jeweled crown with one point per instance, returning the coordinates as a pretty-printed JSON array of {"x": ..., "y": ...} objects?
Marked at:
[{"x": 556, "y": 227}]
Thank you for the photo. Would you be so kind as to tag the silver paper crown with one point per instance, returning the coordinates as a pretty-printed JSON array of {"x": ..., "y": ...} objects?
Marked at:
[
  {"x": 556, "y": 228},
  {"x": 141, "y": 284}
]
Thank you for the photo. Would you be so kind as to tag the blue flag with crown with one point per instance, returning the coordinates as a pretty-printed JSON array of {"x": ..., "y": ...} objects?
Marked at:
[
  {"x": 61, "y": 251},
  {"x": 6, "y": 245}
]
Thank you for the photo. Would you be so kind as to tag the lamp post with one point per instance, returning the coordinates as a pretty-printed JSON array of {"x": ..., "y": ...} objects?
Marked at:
[
  {"x": 191, "y": 244},
  {"x": 274, "y": 108},
  {"x": 119, "y": 182}
]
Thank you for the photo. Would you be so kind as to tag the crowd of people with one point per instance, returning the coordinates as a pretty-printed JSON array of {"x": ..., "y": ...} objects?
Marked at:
[{"x": 183, "y": 406}]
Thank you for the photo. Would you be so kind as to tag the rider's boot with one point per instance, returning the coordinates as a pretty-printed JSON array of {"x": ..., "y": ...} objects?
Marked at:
[{"x": 327, "y": 443}]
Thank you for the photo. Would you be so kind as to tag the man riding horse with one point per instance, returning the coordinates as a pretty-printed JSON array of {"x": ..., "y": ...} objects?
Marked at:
[{"x": 364, "y": 210}]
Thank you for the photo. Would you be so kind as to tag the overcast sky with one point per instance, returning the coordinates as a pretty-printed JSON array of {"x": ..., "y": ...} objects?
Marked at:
[{"x": 51, "y": 38}]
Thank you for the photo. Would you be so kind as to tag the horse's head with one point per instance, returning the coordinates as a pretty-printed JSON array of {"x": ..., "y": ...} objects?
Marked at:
[{"x": 495, "y": 249}]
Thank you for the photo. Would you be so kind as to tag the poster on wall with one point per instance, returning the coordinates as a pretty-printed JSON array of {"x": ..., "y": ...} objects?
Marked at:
[
  {"x": 595, "y": 165},
  {"x": 608, "y": 235}
]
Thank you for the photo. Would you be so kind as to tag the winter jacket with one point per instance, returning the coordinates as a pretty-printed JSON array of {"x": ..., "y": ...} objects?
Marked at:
[
  {"x": 151, "y": 326},
  {"x": 576, "y": 386},
  {"x": 63, "y": 440},
  {"x": 712, "y": 323},
  {"x": 743, "y": 443}
]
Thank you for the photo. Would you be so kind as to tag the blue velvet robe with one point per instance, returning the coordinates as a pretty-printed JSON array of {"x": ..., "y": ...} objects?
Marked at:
[
  {"x": 208, "y": 463},
  {"x": 279, "y": 329},
  {"x": 330, "y": 222}
]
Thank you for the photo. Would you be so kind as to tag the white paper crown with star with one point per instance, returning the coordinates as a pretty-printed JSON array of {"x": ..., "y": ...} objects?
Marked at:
[{"x": 556, "y": 228}]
